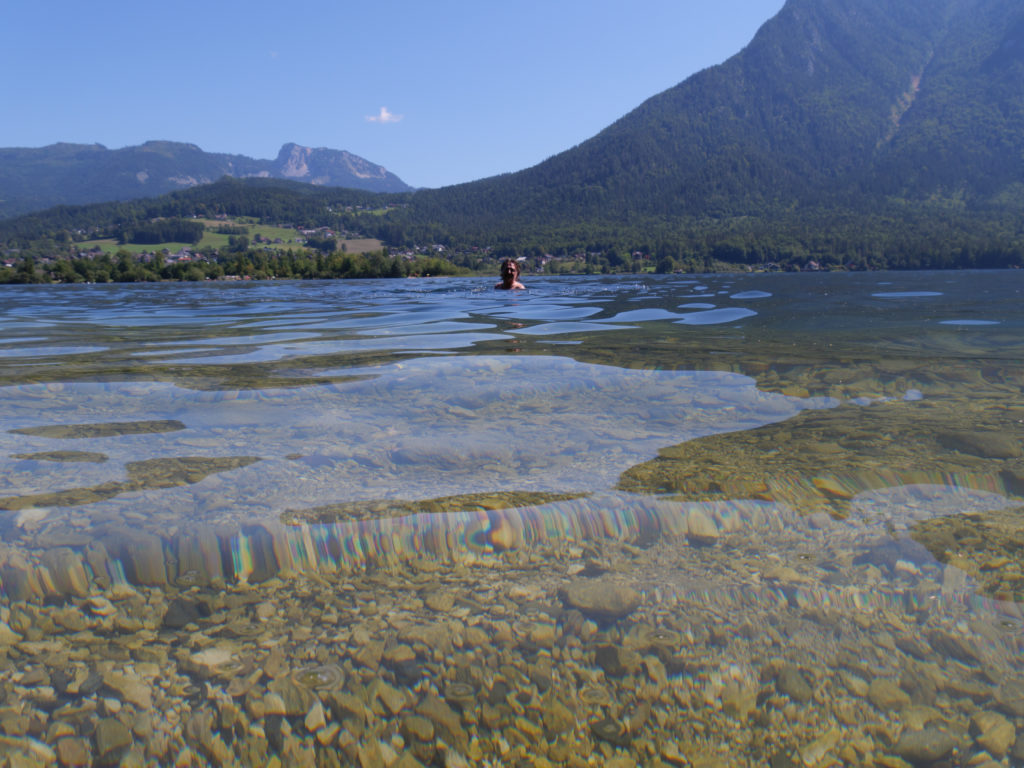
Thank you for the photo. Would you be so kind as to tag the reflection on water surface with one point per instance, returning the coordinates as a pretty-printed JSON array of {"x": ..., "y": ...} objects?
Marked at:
[{"x": 594, "y": 523}]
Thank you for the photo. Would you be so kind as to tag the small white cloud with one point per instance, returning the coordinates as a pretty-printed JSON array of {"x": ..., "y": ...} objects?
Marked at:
[{"x": 384, "y": 117}]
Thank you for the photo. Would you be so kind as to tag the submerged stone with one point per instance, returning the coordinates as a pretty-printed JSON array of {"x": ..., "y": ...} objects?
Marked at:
[
  {"x": 792, "y": 683},
  {"x": 67, "y": 571},
  {"x": 887, "y": 695},
  {"x": 66, "y": 456},
  {"x": 988, "y": 445},
  {"x": 993, "y": 732},
  {"x": 445, "y": 720},
  {"x": 617, "y": 661},
  {"x": 112, "y": 740},
  {"x": 612, "y": 731},
  {"x": 925, "y": 746},
  {"x": 601, "y": 599},
  {"x": 113, "y": 429},
  {"x": 182, "y": 611}
]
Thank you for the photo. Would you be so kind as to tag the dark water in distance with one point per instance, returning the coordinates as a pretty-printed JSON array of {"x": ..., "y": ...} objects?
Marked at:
[{"x": 833, "y": 457}]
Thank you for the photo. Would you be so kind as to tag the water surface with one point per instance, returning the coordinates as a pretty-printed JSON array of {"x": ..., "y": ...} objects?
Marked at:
[{"x": 796, "y": 498}]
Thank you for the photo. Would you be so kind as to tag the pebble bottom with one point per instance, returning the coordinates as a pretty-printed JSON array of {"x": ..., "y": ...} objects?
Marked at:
[{"x": 558, "y": 654}]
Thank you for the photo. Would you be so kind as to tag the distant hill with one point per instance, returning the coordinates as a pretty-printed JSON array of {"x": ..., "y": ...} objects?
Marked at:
[{"x": 61, "y": 174}]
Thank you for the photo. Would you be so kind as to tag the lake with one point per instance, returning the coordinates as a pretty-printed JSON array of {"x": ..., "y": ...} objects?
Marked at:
[{"x": 757, "y": 519}]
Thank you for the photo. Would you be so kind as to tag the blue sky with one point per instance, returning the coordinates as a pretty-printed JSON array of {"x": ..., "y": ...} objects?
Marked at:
[{"x": 438, "y": 93}]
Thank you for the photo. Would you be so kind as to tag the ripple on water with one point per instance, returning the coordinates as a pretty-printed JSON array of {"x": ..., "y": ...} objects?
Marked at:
[
  {"x": 415, "y": 342},
  {"x": 551, "y": 329},
  {"x": 547, "y": 312},
  {"x": 48, "y": 351},
  {"x": 905, "y": 294}
]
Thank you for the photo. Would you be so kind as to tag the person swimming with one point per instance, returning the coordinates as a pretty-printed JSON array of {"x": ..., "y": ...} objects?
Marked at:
[{"x": 510, "y": 276}]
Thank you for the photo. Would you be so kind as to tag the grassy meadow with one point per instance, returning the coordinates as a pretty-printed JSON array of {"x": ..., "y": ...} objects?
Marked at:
[{"x": 290, "y": 238}]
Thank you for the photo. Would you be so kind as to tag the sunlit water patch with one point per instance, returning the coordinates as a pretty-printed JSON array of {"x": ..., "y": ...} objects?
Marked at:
[{"x": 428, "y": 427}]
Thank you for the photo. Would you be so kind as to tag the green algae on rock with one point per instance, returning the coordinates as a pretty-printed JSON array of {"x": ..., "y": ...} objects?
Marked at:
[
  {"x": 467, "y": 502},
  {"x": 819, "y": 460},
  {"x": 143, "y": 475},
  {"x": 110, "y": 429},
  {"x": 68, "y": 456}
]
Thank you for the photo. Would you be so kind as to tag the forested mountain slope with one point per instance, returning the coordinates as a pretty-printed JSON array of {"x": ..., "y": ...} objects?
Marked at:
[{"x": 833, "y": 102}]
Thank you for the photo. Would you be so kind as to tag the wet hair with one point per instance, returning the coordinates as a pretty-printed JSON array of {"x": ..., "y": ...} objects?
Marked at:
[{"x": 509, "y": 267}]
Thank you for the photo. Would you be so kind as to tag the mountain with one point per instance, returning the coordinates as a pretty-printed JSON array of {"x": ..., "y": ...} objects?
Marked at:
[
  {"x": 839, "y": 104},
  {"x": 33, "y": 179}
]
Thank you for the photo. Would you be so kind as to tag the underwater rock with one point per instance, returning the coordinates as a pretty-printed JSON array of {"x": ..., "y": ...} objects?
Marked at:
[
  {"x": 993, "y": 732},
  {"x": 987, "y": 445},
  {"x": 612, "y": 731},
  {"x": 792, "y": 683},
  {"x": 602, "y": 600},
  {"x": 112, "y": 740},
  {"x": 925, "y": 746},
  {"x": 701, "y": 529},
  {"x": 142, "y": 556},
  {"x": 886, "y": 695},
  {"x": 445, "y": 720},
  {"x": 182, "y": 611},
  {"x": 67, "y": 571},
  {"x": 65, "y": 456},
  {"x": 298, "y": 699},
  {"x": 113, "y": 429},
  {"x": 617, "y": 661}
]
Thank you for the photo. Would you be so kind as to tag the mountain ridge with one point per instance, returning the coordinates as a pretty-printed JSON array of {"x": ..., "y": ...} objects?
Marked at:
[{"x": 67, "y": 174}]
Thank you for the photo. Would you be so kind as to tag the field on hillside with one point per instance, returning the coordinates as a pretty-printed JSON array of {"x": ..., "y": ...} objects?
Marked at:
[
  {"x": 279, "y": 237},
  {"x": 362, "y": 245}
]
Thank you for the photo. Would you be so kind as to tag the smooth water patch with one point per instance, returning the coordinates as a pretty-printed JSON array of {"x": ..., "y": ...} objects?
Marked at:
[
  {"x": 644, "y": 315},
  {"x": 969, "y": 322},
  {"x": 717, "y": 316},
  {"x": 751, "y": 295}
]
